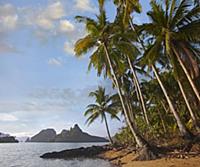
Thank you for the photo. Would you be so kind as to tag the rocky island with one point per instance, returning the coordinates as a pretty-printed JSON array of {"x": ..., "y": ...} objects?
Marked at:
[
  {"x": 6, "y": 138},
  {"x": 75, "y": 134}
]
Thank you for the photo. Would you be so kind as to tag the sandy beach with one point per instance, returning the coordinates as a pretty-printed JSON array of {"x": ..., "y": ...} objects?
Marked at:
[{"x": 125, "y": 158}]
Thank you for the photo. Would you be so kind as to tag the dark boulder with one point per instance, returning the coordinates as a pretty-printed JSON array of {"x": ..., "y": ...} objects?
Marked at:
[{"x": 88, "y": 152}]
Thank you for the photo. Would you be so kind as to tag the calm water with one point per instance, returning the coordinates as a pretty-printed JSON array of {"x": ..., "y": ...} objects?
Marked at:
[{"x": 27, "y": 155}]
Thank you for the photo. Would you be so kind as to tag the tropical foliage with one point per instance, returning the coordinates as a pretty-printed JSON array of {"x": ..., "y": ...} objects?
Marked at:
[
  {"x": 104, "y": 105},
  {"x": 154, "y": 66}
]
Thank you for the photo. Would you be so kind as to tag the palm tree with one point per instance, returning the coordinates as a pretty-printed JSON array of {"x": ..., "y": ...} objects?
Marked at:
[
  {"x": 183, "y": 130},
  {"x": 98, "y": 38},
  {"x": 103, "y": 105},
  {"x": 125, "y": 8},
  {"x": 124, "y": 37},
  {"x": 193, "y": 116},
  {"x": 175, "y": 35},
  {"x": 180, "y": 80}
]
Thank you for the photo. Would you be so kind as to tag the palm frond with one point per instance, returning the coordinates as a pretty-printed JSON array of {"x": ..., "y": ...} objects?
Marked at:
[
  {"x": 83, "y": 45},
  {"x": 193, "y": 14},
  {"x": 180, "y": 12},
  {"x": 91, "y": 110},
  {"x": 157, "y": 14},
  {"x": 190, "y": 32},
  {"x": 92, "y": 118},
  {"x": 152, "y": 54},
  {"x": 90, "y": 24}
]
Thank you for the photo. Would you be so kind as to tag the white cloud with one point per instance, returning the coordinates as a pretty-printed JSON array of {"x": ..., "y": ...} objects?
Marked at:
[
  {"x": 54, "y": 11},
  {"x": 7, "y": 117},
  {"x": 42, "y": 17},
  {"x": 54, "y": 61},
  {"x": 46, "y": 22},
  {"x": 84, "y": 5},
  {"x": 9, "y": 22},
  {"x": 69, "y": 47},
  {"x": 45, "y": 18},
  {"x": 8, "y": 18},
  {"x": 66, "y": 26}
]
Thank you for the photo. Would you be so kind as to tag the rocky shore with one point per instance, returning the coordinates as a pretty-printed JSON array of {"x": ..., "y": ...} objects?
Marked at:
[
  {"x": 83, "y": 152},
  {"x": 125, "y": 157}
]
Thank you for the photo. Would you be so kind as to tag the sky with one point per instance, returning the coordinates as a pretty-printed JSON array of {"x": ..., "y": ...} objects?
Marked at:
[{"x": 42, "y": 83}]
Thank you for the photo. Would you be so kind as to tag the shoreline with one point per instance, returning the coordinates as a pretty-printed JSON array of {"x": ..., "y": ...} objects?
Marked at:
[
  {"x": 124, "y": 157},
  {"x": 81, "y": 152}
]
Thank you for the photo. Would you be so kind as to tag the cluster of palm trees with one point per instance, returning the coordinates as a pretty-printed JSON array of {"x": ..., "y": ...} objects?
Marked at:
[{"x": 154, "y": 66}]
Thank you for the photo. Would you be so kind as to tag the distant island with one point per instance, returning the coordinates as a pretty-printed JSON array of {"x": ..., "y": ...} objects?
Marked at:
[
  {"x": 6, "y": 138},
  {"x": 75, "y": 134}
]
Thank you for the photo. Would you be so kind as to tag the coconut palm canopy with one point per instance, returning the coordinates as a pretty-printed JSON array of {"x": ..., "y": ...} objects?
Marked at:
[
  {"x": 168, "y": 45},
  {"x": 104, "y": 105}
]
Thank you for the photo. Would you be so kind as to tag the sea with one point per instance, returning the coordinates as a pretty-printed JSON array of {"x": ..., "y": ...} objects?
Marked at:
[{"x": 28, "y": 155}]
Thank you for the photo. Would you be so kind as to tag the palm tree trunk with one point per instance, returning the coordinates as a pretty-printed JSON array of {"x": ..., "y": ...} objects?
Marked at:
[
  {"x": 182, "y": 128},
  {"x": 134, "y": 30},
  {"x": 162, "y": 121},
  {"x": 107, "y": 129},
  {"x": 192, "y": 114},
  {"x": 193, "y": 62},
  {"x": 187, "y": 75},
  {"x": 141, "y": 142},
  {"x": 163, "y": 105},
  {"x": 141, "y": 98},
  {"x": 138, "y": 97},
  {"x": 130, "y": 109}
]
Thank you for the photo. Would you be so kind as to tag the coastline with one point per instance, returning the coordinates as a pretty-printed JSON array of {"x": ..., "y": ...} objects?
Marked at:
[
  {"x": 124, "y": 157},
  {"x": 81, "y": 152}
]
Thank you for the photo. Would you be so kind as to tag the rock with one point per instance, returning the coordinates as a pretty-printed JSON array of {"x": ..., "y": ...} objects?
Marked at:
[
  {"x": 47, "y": 135},
  {"x": 6, "y": 138},
  {"x": 75, "y": 134},
  {"x": 82, "y": 152},
  {"x": 28, "y": 139}
]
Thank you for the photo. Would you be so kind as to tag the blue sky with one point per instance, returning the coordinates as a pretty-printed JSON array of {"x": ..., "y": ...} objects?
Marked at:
[{"x": 42, "y": 83}]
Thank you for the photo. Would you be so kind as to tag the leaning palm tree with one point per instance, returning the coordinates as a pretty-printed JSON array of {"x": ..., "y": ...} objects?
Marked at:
[
  {"x": 103, "y": 105},
  {"x": 124, "y": 37},
  {"x": 181, "y": 83},
  {"x": 103, "y": 60},
  {"x": 176, "y": 35},
  {"x": 149, "y": 53},
  {"x": 124, "y": 9}
]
